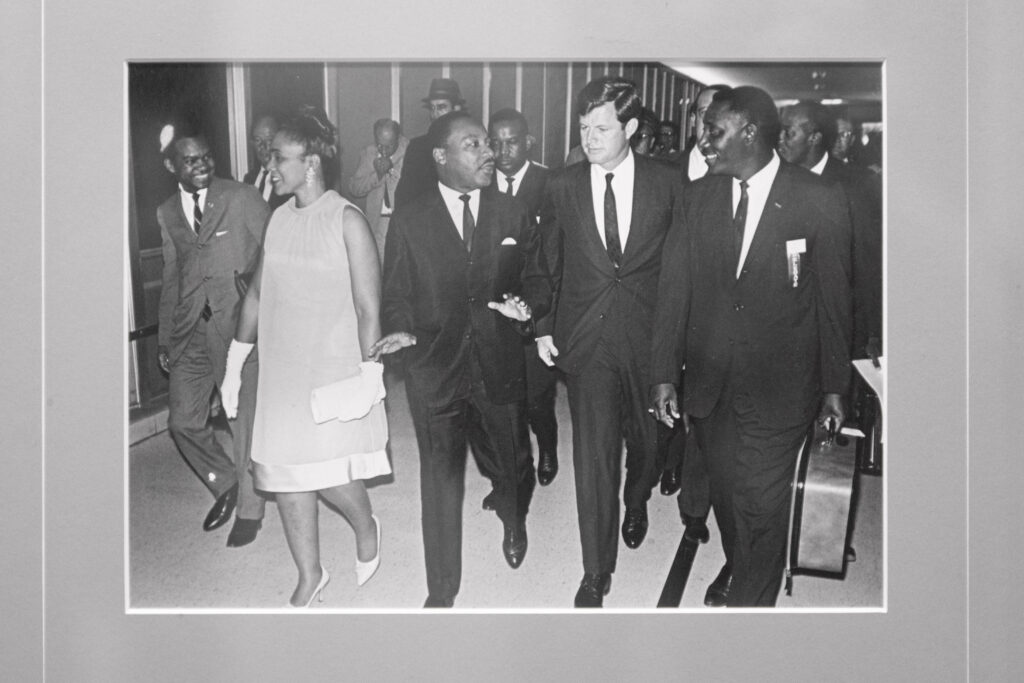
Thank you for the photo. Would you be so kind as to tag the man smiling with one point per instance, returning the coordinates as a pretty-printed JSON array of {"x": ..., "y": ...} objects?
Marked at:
[
  {"x": 754, "y": 300},
  {"x": 211, "y": 229}
]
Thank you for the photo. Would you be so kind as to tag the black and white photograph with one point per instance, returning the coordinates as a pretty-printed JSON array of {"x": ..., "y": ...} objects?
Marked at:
[
  {"x": 318, "y": 379},
  {"x": 546, "y": 342}
]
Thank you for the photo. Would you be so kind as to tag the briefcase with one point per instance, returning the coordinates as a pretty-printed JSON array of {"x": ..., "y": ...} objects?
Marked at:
[{"x": 820, "y": 508}]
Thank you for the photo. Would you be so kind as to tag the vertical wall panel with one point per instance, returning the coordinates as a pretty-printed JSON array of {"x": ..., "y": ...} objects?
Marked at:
[
  {"x": 533, "y": 108},
  {"x": 579, "y": 80},
  {"x": 503, "y": 86},
  {"x": 556, "y": 79},
  {"x": 362, "y": 94},
  {"x": 470, "y": 77},
  {"x": 415, "y": 80}
]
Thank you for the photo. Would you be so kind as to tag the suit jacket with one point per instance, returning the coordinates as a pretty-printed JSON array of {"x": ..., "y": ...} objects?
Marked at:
[
  {"x": 365, "y": 183},
  {"x": 436, "y": 290},
  {"x": 589, "y": 294},
  {"x": 531, "y": 190},
  {"x": 201, "y": 268},
  {"x": 863, "y": 190},
  {"x": 418, "y": 173},
  {"x": 275, "y": 200},
  {"x": 784, "y": 345}
]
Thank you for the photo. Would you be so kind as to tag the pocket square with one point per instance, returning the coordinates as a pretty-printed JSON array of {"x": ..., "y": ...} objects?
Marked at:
[
  {"x": 222, "y": 232},
  {"x": 350, "y": 398},
  {"x": 508, "y": 240}
]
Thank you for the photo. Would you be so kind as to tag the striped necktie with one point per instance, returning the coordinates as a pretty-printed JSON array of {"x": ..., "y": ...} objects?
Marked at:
[{"x": 197, "y": 213}]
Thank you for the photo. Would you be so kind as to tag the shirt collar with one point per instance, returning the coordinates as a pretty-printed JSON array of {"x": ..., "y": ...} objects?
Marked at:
[
  {"x": 452, "y": 196},
  {"x": 623, "y": 171},
  {"x": 763, "y": 179},
  {"x": 188, "y": 193},
  {"x": 518, "y": 178},
  {"x": 820, "y": 166}
]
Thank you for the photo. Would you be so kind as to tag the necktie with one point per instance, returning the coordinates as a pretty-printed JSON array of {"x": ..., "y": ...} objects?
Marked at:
[
  {"x": 467, "y": 222},
  {"x": 611, "y": 223},
  {"x": 740, "y": 220},
  {"x": 387, "y": 199},
  {"x": 263, "y": 180},
  {"x": 197, "y": 213},
  {"x": 508, "y": 190}
]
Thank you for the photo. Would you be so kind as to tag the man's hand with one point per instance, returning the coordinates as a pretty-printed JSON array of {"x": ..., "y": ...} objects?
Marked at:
[
  {"x": 665, "y": 405},
  {"x": 389, "y": 344},
  {"x": 511, "y": 307},
  {"x": 163, "y": 359},
  {"x": 832, "y": 409},
  {"x": 546, "y": 349},
  {"x": 382, "y": 165}
]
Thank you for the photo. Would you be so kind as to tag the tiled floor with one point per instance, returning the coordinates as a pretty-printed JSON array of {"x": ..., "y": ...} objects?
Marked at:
[{"x": 173, "y": 564}]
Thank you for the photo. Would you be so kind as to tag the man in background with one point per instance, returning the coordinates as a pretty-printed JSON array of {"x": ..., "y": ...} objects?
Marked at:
[
  {"x": 378, "y": 175},
  {"x": 418, "y": 174},
  {"x": 262, "y": 137}
]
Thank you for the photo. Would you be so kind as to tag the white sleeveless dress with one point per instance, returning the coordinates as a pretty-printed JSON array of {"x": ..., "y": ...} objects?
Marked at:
[{"x": 307, "y": 339}]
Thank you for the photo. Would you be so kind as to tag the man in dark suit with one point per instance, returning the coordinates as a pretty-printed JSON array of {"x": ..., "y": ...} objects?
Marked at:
[
  {"x": 517, "y": 176},
  {"x": 262, "y": 137},
  {"x": 603, "y": 226},
  {"x": 418, "y": 175},
  {"x": 463, "y": 273},
  {"x": 809, "y": 131},
  {"x": 212, "y": 230},
  {"x": 755, "y": 300}
]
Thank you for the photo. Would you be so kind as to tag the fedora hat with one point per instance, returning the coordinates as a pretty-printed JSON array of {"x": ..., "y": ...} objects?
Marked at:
[{"x": 444, "y": 89}]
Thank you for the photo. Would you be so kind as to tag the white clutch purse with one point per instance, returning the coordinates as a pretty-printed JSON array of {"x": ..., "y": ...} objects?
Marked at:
[{"x": 350, "y": 398}]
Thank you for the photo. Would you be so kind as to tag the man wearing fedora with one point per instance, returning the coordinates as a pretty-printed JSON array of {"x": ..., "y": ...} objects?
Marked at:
[{"x": 419, "y": 175}]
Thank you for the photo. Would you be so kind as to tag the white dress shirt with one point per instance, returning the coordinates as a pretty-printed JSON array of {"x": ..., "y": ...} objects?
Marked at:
[
  {"x": 188, "y": 205},
  {"x": 622, "y": 186},
  {"x": 268, "y": 187},
  {"x": 758, "y": 186},
  {"x": 820, "y": 166},
  {"x": 454, "y": 204},
  {"x": 517, "y": 179},
  {"x": 696, "y": 167}
]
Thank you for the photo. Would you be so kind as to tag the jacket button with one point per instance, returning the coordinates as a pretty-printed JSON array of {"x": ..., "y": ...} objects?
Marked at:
[
  {"x": 469, "y": 335},
  {"x": 472, "y": 299}
]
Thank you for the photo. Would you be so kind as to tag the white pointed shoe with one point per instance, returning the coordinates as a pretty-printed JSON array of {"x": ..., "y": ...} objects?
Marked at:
[
  {"x": 318, "y": 592},
  {"x": 364, "y": 570}
]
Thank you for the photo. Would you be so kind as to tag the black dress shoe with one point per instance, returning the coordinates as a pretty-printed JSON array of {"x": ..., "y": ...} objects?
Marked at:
[
  {"x": 718, "y": 591},
  {"x": 670, "y": 480},
  {"x": 592, "y": 590},
  {"x": 634, "y": 527},
  {"x": 514, "y": 544},
  {"x": 433, "y": 601},
  {"x": 243, "y": 532},
  {"x": 696, "y": 529},
  {"x": 488, "y": 502},
  {"x": 547, "y": 467},
  {"x": 222, "y": 509}
]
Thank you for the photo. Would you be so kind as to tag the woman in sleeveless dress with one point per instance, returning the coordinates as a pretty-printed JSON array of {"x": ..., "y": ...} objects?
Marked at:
[{"x": 315, "y": 299}]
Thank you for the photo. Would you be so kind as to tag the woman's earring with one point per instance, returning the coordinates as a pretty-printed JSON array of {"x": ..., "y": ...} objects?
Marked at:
[{"x": 309, "y": 176}]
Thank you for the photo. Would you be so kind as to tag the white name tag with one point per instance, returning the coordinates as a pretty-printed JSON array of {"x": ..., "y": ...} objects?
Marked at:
[{"x": 796, "y": 247}]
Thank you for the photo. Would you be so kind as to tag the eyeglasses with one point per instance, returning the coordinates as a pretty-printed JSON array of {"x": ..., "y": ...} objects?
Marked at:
[{"x": 193, "y": 161}]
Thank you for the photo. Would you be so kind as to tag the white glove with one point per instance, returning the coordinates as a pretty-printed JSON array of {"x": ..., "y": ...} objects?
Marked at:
[{"x": 232, "y": 383}]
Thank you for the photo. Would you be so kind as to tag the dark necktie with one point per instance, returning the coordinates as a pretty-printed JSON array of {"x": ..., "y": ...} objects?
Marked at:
[
  {"x": 387, "y": 199},
  {"x": 197, "y": 213},
  {"x": 263, "y": 180},
  {"x": 508, "y": 190},
  {"x": 740, "y": 220},
  {"x": 611, "y": 223},
  {"x": 467, "y": 222}
]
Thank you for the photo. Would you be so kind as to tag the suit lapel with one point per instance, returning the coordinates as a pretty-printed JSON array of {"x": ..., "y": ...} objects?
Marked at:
[
  {"x": 641, "y": 200},
  {"x": 588, "y": 222},
  {"x": 775, "y": 208},
  {"x": 448, "y": 232},
  {"x": 213, "y": 209}
]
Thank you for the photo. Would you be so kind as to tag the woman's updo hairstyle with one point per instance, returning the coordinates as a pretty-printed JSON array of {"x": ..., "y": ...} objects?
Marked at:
[{"x": 311, "y": 128}]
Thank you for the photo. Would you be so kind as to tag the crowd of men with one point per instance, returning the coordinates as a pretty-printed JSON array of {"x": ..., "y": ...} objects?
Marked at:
[{"x": 702, "y": 304}]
